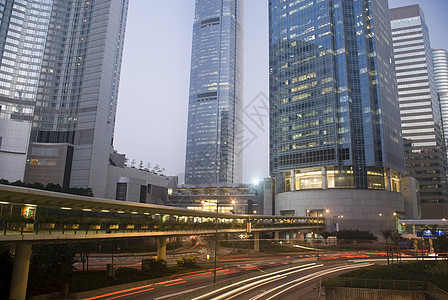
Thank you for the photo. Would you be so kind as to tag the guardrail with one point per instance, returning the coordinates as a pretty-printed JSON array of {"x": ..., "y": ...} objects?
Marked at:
[
  {"x": 52, "y": 235},
  {"x": 407, "y": 285},
  {"x": 436, "y": 292},
  {"x": 116, "y": 227}
]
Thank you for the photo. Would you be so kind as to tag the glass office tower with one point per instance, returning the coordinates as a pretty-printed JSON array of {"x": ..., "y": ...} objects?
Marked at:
[
  {"x": 420, "y": 109},
  {"x": 214, "y": 132},
  {"x": 334, "y": 114},
  {"x": 23, "y": 31},
  {"x": 61, "y": 63},
  {"x": 440, "y": 62}
]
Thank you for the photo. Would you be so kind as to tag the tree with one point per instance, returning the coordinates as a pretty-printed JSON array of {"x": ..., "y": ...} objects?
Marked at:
[
  {"x": 396, "y": 238},
  {"x": 387, "y": 234},
  {"x": 49, "y": 267},
  {"x": 57, "y": 258}
]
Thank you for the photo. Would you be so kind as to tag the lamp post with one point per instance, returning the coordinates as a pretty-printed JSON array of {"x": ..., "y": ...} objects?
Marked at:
[
  {"x": 216, "y": 237},
  {"x": 233, "y": 206},
  {"x": 335, "y": 224},
  {"x": 317, "y": 236},
  {"x": 216, "y": 241}
]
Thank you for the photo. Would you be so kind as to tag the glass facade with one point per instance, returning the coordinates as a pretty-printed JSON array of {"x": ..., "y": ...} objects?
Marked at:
[
  {"x": 60, "y": 68},
  {"x": 78, "y": 86},
  {"x": 334, "y": 115},
  {"x": 214, "y": 132},
  {"x": 23, "y": 31},
  {"x": 419, "y": 105},
  {"x": 440, "y": 62}
]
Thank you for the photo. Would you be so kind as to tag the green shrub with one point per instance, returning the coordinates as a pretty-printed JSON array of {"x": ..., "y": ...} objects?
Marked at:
[
  {"x": 154, "y": 265},
  {"x": 187, "y": 262},
  {"x": 435, "y": 272}
]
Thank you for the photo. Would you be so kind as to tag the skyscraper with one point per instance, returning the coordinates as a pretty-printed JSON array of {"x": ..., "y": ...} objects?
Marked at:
[
  {"x": 69, "y": 78},
  {"x": 440, "y": 62},
  {"x": 419, "y": 108},
  {"x": 23, "y": 30},
  {"x": 214, "y": 132},
  {"x": 334, "y": 115}
]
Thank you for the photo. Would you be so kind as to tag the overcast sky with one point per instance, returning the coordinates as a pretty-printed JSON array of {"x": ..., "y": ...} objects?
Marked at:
[{"x": 153, "y": 99}]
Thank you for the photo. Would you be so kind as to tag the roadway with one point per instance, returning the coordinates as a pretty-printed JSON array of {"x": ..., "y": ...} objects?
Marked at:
[
  {"x": 133, "y": 260},
  {"x": 298, "y": 280},
  {"x": 284, "y": 284}
]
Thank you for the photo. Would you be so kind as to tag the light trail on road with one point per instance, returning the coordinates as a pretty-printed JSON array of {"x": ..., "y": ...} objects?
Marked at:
[
  {"x": 293, "y": 270},
  {"x": 284, "y": 280},
  {"x": 305, "y": 279},
  {"x": 178, "y": 284}
]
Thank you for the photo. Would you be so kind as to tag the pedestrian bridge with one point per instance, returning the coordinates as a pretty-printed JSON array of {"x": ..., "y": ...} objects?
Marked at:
[
  {"x": 38, "y": 216},
  {"x": 30, "y": 216}
]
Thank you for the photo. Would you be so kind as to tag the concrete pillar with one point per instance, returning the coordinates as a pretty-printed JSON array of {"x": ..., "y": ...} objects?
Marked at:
[
  {"x": 19, "y": 279},
  {"x": 431, "y": 245},
  {"x": 293, "y": 181},
  {"x": 324, "y": 178},
  {"x": 388, "y": 185},
  {"x": 276, "y": 235},
  {"x": 256, "y": 242},
  {"x": 301, "y": 237},
  {"x": 161, "y": 248}
]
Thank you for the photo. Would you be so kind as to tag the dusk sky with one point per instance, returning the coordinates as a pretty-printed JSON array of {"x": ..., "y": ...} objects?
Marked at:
[{"x": 152, "y": 112}]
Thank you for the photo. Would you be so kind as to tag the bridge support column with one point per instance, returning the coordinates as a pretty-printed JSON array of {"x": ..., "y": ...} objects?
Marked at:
[
  {"x": 301, "y": 237},
  {"x": 19, "y": 279},
  {"x": 291, "y": 237},
  {"x": 256, "y": 242},
  {"x": 161, "y": 248},
  {"x": 431, "y": 245}
]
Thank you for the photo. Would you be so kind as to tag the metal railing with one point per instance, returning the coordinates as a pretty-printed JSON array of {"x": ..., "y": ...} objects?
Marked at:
[
  {"x": 408, "y": 285},
  {"x": 116, "y": 227}
]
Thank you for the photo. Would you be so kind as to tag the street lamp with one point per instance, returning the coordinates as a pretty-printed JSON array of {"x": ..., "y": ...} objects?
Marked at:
[
  {"x": 335, "y": 224},
  {"x": 216, "y": 240},
  {"x": 233, "y": 205},
  {"x": 317, "y": 236}
]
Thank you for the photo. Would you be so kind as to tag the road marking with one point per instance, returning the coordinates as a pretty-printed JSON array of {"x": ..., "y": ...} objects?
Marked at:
[
  {"x": 258, "y": 283},
  {"x": 231, "y": 272},
  {"x": 175, "y": 283},
  {"x": 306, "y": 278},
  {"x": 296, "y": 269},
  {"x": 169, "y": 281},
  {"x": 138, "y": 292},
  {"x": 194, "y": 275},
  {"x": 255, "y": 286},
  {"x": 118, "y": 292},
  {"x": 178, "y": 293}
]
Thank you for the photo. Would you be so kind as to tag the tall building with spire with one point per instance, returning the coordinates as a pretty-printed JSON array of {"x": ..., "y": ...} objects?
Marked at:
[
  {"x": 214, "y": 132},
  {"x": 336, "y": 147},
  {"x": 61, "y": 62}
]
